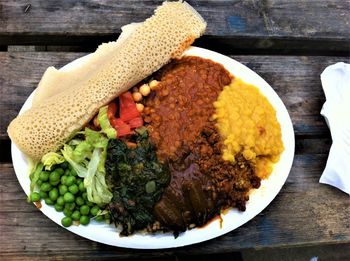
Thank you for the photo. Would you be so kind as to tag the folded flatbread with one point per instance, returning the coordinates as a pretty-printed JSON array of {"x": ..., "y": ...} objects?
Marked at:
[{"x": 66, "y": 101}]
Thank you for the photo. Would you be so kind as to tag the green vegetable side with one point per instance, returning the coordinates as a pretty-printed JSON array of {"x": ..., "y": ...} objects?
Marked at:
[
  {"x": 74, "y": 180},
  {"x": 138, "y": 182}
]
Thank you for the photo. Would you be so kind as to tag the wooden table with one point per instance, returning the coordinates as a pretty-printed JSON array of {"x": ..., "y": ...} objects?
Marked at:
[{"x": 288, "y": 43}]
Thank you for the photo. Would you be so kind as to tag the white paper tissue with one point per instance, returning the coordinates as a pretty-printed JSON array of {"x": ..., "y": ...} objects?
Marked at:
[{"x": 336, "y": 110}]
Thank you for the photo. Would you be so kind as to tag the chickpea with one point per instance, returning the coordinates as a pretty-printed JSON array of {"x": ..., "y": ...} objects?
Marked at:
[
  {"x": 137, "y": 96},
  {"x": 153, "y": 84},
  {"x": 145, "y": 89},
  {"x": 96, "y": 122},
  {"x": 140, "y": 107}
]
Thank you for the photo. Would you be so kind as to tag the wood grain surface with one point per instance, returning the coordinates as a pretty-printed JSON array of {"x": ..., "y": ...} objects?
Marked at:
[
  {"x": 305, "y": 212},
  {"x": 257, "y": 23},
  {"x": 288, "y": 43},
  {"x": 294, "y": 78}
]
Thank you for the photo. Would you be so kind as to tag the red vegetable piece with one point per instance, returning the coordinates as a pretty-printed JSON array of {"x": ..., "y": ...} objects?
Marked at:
[
  {"x": 121, "y": 127},
  {"x": 112, "y": 110},
  {"x": 136, "y": 123},
  {"x": 128, "y": 110},
  {"x": 124, "y": 130},
  {"x": 117, "y": 122}
]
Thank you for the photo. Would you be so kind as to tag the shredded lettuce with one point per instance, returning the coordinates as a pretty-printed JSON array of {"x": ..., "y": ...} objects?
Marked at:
[
  {"x": 67, "y": 153},
  {"x": 105, "y": 124},
  {"x": 95, "y": 183},
  {"x": 34, "y": 176},
  {"x": 87, "y": 157},
  {"x": 32, "y": 164},
  {"x": 50, "y": 159}
]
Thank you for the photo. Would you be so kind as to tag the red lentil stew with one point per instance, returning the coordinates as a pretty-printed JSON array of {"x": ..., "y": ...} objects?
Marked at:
[{"x": 178, "y": 114}]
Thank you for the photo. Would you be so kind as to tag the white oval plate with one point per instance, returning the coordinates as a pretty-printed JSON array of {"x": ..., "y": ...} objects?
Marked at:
[{"x": 259, "y": 199}]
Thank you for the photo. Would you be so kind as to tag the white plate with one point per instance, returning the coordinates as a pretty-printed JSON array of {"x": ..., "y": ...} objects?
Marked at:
[{"x": 259, "y": 199}]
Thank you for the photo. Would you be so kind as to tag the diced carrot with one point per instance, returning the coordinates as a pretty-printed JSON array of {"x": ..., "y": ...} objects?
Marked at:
[
  {"x": 136, "y": 123},
  {"x": 128, "y": 110}
]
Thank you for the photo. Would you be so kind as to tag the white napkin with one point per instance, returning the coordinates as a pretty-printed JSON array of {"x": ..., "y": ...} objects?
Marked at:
[{"x": 336, "y": 110}]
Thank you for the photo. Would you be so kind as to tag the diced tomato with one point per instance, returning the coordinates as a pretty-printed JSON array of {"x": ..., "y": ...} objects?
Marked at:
[
  {"x": 130, "y": 117},
  {"x": 116, "y": 122},
  {"x": 123, "y": 130},
  {"x": 121, "y": 127},
  {"x": 128, "y": 110},
  {"x": 112, "y": 110},
  {"x": 136, "y": 123}
]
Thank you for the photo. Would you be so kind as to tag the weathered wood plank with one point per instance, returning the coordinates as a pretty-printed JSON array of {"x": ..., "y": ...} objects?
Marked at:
[
  {"x": 295, "y": 79},
  {"x": 304, "y": 213},
  {"x": 64, "y": 21}
]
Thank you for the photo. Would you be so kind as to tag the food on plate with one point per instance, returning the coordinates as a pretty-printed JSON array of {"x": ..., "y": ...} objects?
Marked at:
[
  {"x": 137, "y": 179},
  {"x": 189, "y": 116},
  {"x": 248, "y": 126},
  {"x": 46, "y": 126},
  {"x": 183, "y": 102},
  {"x": 145, "y": 138}
]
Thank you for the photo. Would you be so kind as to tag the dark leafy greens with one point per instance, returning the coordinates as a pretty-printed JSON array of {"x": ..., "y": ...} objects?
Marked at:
[{"x": 138, "y": 179}]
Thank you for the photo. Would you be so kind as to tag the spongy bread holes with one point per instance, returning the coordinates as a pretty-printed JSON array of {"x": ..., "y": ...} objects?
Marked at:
[{"x": 70, "y": 111}]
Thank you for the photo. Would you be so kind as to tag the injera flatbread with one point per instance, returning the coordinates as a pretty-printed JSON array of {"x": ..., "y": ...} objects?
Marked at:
[{"x": 52, "y": 121}]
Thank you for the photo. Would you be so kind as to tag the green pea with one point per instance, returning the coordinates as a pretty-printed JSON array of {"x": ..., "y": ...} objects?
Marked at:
[
  {"x": 53, "y": 194},
  {"x": 62, "y": 189},
  {"x": 48, "y": 201},
  {"x": 82, "y": 187},
  {"x": 64, "y": 180},
  {"x": 43, "y": 194},
  {"x": 80, "y": 201},
  {"x": 55, "y": 183},
  {"x": 68, "y": 197},
  {"x": 54, "y": 176},
  {"x": 64, "y": 165},
  {"x": 76, "y": 215},
  {"x": 44, "y": 176},
  {"x": 84, "y": 220},
  {"x": 60, "y": 171},
  {"x": 99, "y": 218},
  {"x": 70, "y": 180},
  {"x": 67, "y": 172},
  {"x": 39, "y": 182},
  {"x": 73, "y": 189},
  {"x": 66, "y": 221},
  {"x": 84, "y": 195},
  {"x": 58, "y": 207},
  {"x": 60, "y": 201},
  {"x": 107, "y": 216},
  {"x": 70, "y": 206},
  {"x": 35, "y": 196},
  {"x": 84, "y": 210},
  {"x": 94, "y": 210},
  {"x": 46, "y": 187},
  {"x": 90, "y": 204},
  {"x": 67, "y": 212},
  {"x": 73, "y": 173}
]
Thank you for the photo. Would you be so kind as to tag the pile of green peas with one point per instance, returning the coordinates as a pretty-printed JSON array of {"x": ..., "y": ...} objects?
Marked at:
[{"x": 64, "y": 189}]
